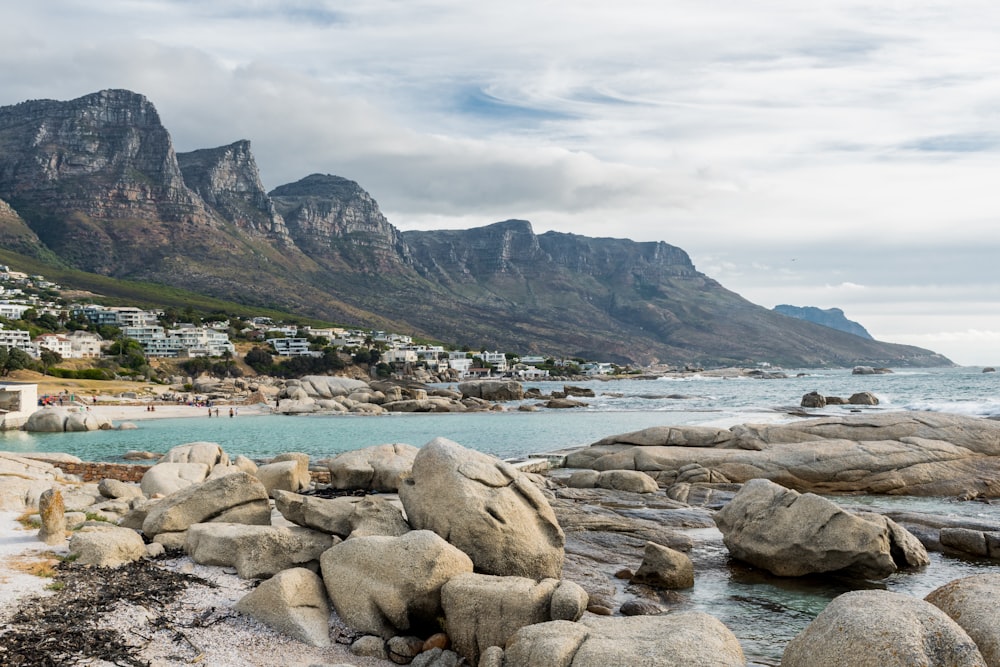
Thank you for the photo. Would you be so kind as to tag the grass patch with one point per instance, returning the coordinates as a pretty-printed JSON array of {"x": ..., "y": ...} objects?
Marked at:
[{"x": 29, "y": 523}]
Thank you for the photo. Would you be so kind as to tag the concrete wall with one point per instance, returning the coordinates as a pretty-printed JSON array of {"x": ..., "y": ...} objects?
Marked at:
[{"x": 17, "y": 402}]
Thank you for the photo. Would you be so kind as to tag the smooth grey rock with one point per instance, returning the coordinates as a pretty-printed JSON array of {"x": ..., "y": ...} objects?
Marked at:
[
  {"x": 483, "y": 610},
  {"x": 166, "y": 478},
  {"x": 664, "y": 567},
  {"x": 974, "y": 603},
  {"x": 330, "y": 515},
  {"x": 792, "y": 534},
  {"x": 209, "y": 453},
  {"x": 670, "y": 640},
  {"x": 402, "y": 649},
  {"x": 257, "y": 552},
  {"x": 370, "y": 646},
  {"x": 106, "y": 546},
  {"x": 378, "y": 468},
  {"x": 926, "y": 454},
  {"x": 633, "y": 481},
  {"x": 292, "y": 602},
  {"x": 881, "y": 629},
  {"x": 492, "y": 390},
  {"x": 385, "y": 585},
  {"x": 283, "y": 476},
  {"x": 376, "y": 516},
  {"x": 236, "y": 498},
  {"x": 113, "y": 488},
  {"x": 52, "y": 512},
  {"x": 486, "y": 508}
]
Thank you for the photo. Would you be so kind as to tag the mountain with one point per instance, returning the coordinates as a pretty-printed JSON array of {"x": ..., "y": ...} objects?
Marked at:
[
  {"x": 95, "y": 184},
  {"x": 830, "y": 317}
]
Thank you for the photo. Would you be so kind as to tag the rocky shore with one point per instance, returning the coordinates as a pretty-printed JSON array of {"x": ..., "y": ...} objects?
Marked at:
[{"x": 440, "y": 555}]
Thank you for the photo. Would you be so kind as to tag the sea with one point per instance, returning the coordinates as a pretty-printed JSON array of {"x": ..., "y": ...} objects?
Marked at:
[{"x": 764, "y": 612}]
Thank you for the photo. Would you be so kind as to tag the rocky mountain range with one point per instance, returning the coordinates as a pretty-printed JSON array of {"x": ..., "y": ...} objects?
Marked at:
[
  {"x": 95, "y": 184},
  {"x": 828, "y": 317}
]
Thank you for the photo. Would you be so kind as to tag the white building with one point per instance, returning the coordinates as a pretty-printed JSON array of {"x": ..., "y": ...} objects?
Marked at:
[
  {"x": 461, "y": 364},
  {"x": 85, "y": 345},
  {"x": 19, "y": 338},
  {"x": 61, "y": 345},
  {"x": 290, "y": 347},
  {"x": 202, "y": 341},
  {"x": 17, "y": 402},
  {"x": 13, "y": 311},
  {"x": 496, "y": 359},
  {"x": 399, "y": 355}
]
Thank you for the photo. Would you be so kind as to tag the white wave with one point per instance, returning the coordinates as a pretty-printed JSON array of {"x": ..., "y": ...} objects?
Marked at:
[{"x": 971, "y": 408}]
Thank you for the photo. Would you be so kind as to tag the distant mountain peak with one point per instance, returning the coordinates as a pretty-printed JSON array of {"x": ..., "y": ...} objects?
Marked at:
[{"x": 833, "y": 318}]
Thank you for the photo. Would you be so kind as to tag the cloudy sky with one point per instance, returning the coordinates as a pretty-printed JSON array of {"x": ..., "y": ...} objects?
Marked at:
[{"x": 814, "y": 153}]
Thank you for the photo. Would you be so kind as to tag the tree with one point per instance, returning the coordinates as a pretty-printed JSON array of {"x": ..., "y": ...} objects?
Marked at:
[
  {"x": 49, "y": 358},
  {"x": 259, "y": 359},
  {"x": 13, "y": 359}
]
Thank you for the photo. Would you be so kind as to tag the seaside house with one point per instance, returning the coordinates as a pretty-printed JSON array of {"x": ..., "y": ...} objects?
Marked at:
[
  {"x": 17, "y": 401},
  {"x": 59, "y": 344},
  {"x": 19, "y": 338},
  {"x": 85, "y": 344},
  {"x": 498, "y": 360},
  {"x": 13, "y": 311},
  {"x": 291, "y": 347}
]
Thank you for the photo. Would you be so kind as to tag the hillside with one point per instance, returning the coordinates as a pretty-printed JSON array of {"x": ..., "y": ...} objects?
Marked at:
[{"x": 94, "y": 184}]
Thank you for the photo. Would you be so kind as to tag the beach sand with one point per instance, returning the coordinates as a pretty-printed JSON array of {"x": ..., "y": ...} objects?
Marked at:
[
  {"x": 138, "y": 411},
  {"x": 205, "y": 615}
]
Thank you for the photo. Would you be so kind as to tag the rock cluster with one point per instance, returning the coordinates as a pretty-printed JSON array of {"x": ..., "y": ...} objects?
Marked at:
[{"x": 922, "y": 454}]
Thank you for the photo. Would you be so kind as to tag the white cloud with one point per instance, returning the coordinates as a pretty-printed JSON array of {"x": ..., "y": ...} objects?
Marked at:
[{"x": 794, "y": 150}]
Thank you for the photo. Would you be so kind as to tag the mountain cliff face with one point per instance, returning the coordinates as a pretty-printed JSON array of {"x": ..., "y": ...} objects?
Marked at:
[
  {"x": 96, "y": 182},
  {"x": 227, "y": 180},
  {"x": 334, "y": 219},
  {"x": 830, "y": 317}
]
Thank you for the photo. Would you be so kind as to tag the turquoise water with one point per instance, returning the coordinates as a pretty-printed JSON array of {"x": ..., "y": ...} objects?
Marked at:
[
  {"x": 619, "y": 406},
  {"x": 764, "y": 612}
]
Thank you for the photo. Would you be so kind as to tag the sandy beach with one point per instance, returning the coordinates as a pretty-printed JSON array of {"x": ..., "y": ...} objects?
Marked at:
[
  {"x": 122, "y": 412},
  {"x": 222, "y": 642}
]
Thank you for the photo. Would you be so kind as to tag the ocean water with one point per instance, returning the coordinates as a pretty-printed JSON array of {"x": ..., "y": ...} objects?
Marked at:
[
  {"x": 764, "y": 612},
  {"x": 619, "y": 406}
]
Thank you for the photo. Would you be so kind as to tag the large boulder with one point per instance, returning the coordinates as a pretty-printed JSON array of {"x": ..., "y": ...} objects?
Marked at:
[
  {"x": 486, "y": 508},
  {"x": 664, "y": 567},
  {"x": 330, "y": 515},
  {"x": 974, "y": 603},
  {"x": 292, "y": 602},
  {"x": 47, "y": 420},
  {"x": 669, "y": 640},
  {"x": 926, "y": 454},
  {"x": 632, "y": 481},
  {"x": 493, "y": 390},
  {"x": 387, "y": 586},
  {"x": 378, "y": 468},
  {"x": 792, "y": 534},
  {"x": 482, "y": 610},
  {"x": 881, "y": 629},
  {"x": 377, "y": 516},
  {"x": 106, "y": 546},
  {"x": 330, "y": 386},
  {"x": 257, "y": 552},
  {"x": 284, "y": 475},
  {"x": 23, "y": 480},
  {"x": 208, "y": 453},
  {"x": 236, "y": 498},
  {"x": 166, "y": 478}
]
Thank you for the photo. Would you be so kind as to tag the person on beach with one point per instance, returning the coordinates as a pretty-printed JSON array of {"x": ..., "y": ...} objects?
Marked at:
[
  {"x": 210, "y": 412},
  {"x": 217, "y": 412},
  {"x": 231, "y": 412}
]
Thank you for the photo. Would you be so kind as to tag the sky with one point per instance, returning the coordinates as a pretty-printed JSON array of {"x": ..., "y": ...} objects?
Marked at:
[{"x": 831, "y": 154}]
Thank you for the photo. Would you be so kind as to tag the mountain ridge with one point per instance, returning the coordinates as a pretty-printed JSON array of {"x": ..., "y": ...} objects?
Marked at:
[{"x": 104, "y": 191}]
